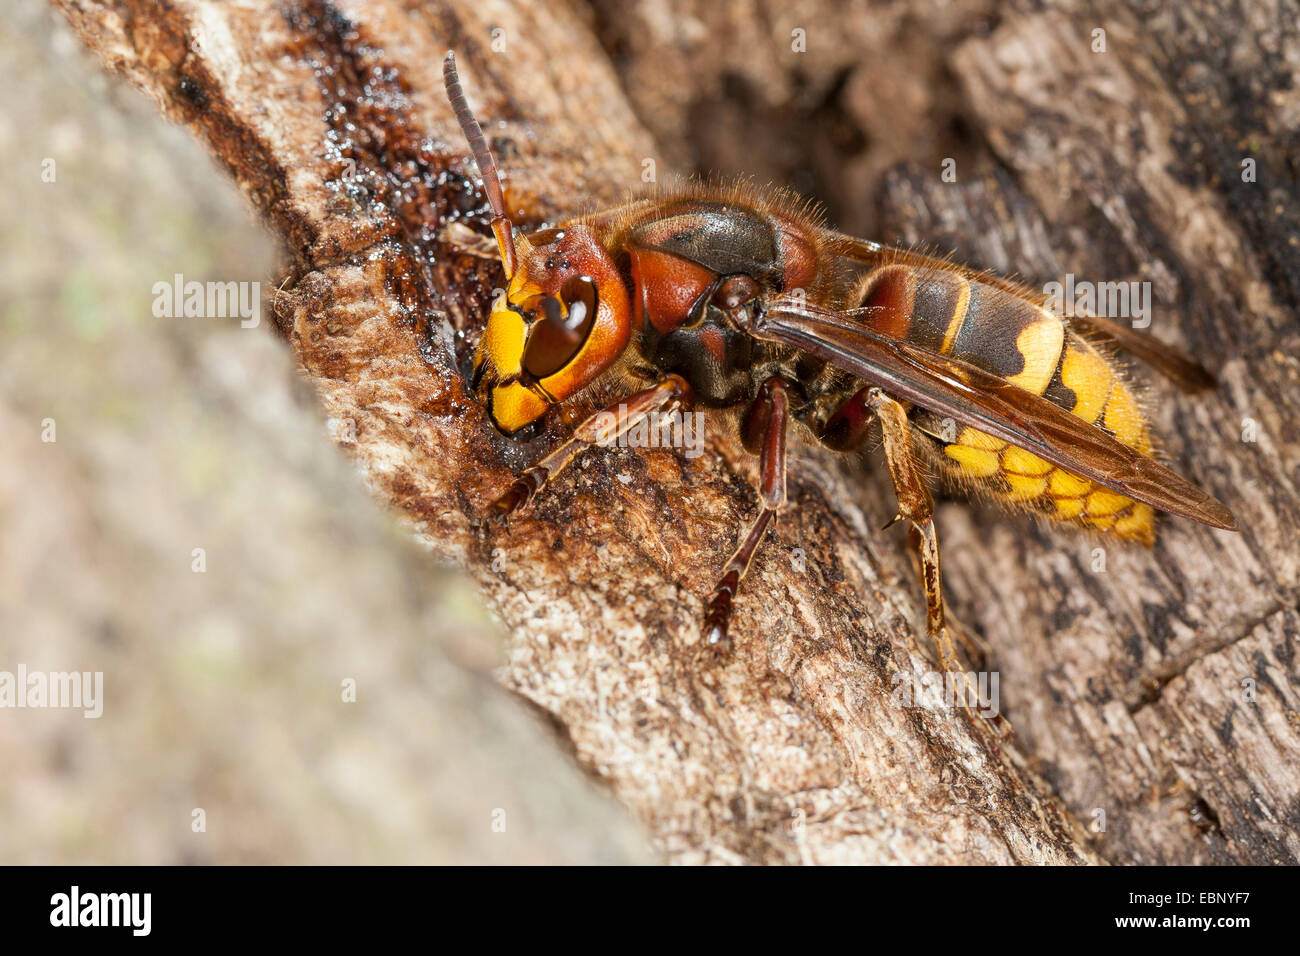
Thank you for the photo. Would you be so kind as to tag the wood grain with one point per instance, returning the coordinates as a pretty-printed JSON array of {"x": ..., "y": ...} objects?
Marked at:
[{"x": 1126, "y": 686}]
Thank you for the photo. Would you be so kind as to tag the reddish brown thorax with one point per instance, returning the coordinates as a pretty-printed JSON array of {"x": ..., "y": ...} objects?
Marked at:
[{"x": 695, "y": 252}]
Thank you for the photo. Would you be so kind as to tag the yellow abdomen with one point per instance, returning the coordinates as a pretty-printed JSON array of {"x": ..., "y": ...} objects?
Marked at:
[
  {"x": 1003, "y": 330},
  {"x": 1084, "y": 382}
]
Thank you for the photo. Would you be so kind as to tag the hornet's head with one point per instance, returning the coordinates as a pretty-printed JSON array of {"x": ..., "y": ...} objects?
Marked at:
[{"x": 565, "y": 316}]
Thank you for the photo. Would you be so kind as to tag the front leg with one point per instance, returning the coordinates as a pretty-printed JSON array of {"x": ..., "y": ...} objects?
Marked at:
[{"x": 608, "y": 425}]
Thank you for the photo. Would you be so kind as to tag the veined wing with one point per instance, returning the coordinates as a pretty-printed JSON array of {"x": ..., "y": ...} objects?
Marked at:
[
  {"x": 986, "y": 402},
  {"x": 1172, "y": 362}
]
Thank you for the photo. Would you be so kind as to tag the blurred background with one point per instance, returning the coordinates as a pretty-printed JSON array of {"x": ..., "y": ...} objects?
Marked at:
[{"x": 191, "y": 533}]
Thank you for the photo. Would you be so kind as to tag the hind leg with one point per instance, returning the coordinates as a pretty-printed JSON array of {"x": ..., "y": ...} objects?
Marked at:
[{"x": 917, "y": 506}]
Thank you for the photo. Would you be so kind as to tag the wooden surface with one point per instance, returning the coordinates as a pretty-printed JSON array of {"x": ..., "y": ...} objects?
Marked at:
[{"x": 1125, "y": 686}]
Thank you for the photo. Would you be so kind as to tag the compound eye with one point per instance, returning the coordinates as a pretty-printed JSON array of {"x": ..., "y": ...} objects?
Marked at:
[{"x": 563, "y": 326}]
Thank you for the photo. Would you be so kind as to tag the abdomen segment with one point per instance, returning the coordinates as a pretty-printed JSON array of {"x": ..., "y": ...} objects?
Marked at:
[{"x": 955, "y": 314}]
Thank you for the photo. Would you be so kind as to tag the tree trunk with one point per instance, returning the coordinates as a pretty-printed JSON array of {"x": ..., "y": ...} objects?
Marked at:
[{"x": 1153, "y": 692}]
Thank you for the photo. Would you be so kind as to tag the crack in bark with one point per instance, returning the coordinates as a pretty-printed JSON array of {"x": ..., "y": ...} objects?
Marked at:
[{"x": 1144, "y": 692}]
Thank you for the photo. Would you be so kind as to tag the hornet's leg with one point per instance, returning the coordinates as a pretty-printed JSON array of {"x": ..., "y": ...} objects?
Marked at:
[
  {"x": 847, "y": 429},
  {"x": 767, "y": 418},
  {"x": 669, "y": 394},
  {"x": 916, "y": 505}
]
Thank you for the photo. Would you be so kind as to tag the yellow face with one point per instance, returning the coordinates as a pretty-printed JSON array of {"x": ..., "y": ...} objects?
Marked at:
[
  {"x": 564, "y": 319},
  {"x": 498, "y": 366}
]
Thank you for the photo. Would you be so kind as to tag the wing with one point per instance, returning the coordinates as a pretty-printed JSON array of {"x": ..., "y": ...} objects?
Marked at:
[
  {"x": 1175, "y": 364},
  {"x": 974, "y": 397}
]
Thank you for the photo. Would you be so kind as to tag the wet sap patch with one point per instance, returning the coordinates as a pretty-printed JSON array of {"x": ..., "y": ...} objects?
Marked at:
[
  {"x": 401, "y": 188},
  {"x": 400, "y": 185}
]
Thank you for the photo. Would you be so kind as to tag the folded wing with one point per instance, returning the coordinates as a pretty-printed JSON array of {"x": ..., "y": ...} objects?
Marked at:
[{"x": 983, "y": 401}]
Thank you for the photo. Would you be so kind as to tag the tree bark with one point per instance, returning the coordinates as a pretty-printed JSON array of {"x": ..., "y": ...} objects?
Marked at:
[{"x": 1126, "y": 685}]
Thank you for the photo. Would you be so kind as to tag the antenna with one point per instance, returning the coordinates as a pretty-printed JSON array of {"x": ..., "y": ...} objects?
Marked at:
[{"x": 487, "y": 167}]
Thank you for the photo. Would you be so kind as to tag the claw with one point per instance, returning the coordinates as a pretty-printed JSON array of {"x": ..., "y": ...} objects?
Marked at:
[
  {"x": 515, "y": 497},
  {"x": 500, "y": 510},
  {"x": 717, "y": 616},
  {"x": 1002, "y": 728},
  {"x": 716, "y": 638}
]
